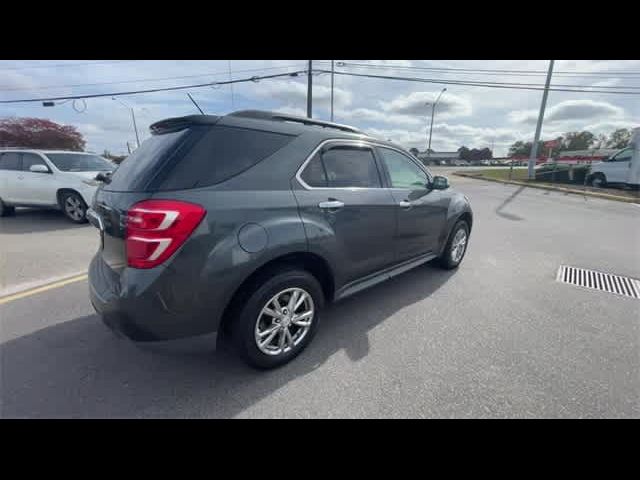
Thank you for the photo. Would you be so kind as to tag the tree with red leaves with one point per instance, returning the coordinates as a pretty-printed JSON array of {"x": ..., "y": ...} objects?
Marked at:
[{"x": 39, "y": 133}]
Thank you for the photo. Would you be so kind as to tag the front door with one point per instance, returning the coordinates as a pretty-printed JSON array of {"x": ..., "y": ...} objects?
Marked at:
[
  {"x": 348, "y": 217},
  {"x": 37, "y": 188},
  {"x": 619, "y": 166},
  {"x": 421, "y": 211}
]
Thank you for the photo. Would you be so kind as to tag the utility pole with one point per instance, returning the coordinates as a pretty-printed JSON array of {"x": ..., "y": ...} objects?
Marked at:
[
  {"x": 309, "y": 90},
  {"x": 433, "y": 110},
  {"x": 534, "y": 146},
  {"x": 332, "y": 70}
]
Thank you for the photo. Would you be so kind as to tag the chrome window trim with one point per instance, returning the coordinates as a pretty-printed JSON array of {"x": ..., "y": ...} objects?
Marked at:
[{"x": 344, "y": 141}]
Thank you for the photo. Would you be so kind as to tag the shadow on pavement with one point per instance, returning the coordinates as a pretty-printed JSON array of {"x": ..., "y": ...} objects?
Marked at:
[
  {"x": 79, "y": 369},
  {"x": 28, "y": 220},
  {"x": 511, "y": 198}
]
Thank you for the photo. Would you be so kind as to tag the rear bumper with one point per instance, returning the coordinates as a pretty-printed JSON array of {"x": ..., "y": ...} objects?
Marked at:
[
  {"x": 139, "y": 313},
  {"x": 121, "y": 326}
]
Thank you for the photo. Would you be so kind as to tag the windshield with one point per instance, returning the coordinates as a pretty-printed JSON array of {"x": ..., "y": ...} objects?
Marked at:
[{"x": 74, "y": 162}]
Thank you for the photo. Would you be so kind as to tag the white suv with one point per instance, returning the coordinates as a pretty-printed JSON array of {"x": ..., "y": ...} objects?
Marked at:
[{"x": 50, "y": 179}]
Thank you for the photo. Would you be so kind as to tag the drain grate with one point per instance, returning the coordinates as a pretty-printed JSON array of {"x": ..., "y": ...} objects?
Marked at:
[{"x": 606, "y": 282}]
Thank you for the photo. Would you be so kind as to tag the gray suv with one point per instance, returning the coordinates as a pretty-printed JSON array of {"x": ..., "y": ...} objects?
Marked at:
[{"x": 246, "y": 224}]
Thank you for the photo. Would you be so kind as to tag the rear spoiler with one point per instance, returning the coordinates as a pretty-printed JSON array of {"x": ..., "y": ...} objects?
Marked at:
[{"x": 176, "y": 124}]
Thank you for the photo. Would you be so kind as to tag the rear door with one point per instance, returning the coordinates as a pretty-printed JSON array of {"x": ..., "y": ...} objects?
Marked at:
[
  {"x": 10, "y": 176},
  {"x": 348, "y": 216},
  {"x": 421, "y": 211},
  {"x": 37, "y": 188}
]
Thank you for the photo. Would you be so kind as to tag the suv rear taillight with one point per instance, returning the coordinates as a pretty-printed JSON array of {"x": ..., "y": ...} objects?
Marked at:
[{"x": 157, "y": 228}]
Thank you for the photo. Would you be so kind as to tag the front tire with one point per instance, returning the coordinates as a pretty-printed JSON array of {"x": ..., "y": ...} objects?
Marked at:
[
  {"x": 456, "y": 246},
  {"x": 598, "y": 180},
  {"x": 74, "y": 207},
  {"x": 6, "y": 210},
  {"x": 278, "y": 318}
]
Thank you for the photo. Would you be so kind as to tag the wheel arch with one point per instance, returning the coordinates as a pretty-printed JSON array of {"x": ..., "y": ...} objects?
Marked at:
[
  {"x": 62, "y": 191},
  {"x": 311, "y": 262}
]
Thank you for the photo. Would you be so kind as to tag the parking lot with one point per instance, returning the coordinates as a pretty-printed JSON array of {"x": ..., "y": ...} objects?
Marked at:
[{"x": 499, "y": 337}]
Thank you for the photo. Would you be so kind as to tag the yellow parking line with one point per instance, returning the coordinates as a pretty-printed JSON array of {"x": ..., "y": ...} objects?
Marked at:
[{"x": 44, "y": 288}]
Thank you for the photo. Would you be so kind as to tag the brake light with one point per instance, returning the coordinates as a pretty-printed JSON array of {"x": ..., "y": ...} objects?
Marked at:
[{"x": 157, "y": 228}]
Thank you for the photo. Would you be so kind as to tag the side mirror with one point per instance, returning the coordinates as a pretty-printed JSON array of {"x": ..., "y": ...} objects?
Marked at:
[
  {"x": 103, "y": 177},
  {"x": 39, "y": 168},
  {"x": 440, "y": 183}
]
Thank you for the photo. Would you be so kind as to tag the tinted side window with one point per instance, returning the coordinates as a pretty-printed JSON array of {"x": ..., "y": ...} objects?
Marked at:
[
  {"x": 10, "y": 161},
  {"x": 403, "y": 171},
  {"x": 222, "y": 153},
  {"x": 347, "y": 167},
  {"x": 314, "y": 174},
  {"x": 29, "y": 159}
]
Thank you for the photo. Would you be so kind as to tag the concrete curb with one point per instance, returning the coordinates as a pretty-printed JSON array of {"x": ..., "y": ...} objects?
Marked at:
[{"x": 605, "y": 196}]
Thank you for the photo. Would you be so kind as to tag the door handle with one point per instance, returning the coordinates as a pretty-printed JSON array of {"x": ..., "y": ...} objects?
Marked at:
[
  {"x": 20, "y": 177},
  {"x": 331, "y": 205},
  {"x": 405, "y": 204}
]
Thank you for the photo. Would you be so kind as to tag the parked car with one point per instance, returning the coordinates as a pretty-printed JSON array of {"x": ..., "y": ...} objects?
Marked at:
[
  {"x": 247, "y": 224},
  {"x": 621, "y": 168},
  {"x": 51, "y": 179}
]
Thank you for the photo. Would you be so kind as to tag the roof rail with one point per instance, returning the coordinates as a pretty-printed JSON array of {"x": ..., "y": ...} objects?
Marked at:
[{"x": 275, "y": 116}]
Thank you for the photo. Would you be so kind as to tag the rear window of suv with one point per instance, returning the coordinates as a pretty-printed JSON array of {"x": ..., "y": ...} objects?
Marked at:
[{"x": 195, "y": 157}]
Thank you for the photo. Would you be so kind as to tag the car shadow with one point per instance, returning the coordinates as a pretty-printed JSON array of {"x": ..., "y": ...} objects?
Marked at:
[
  {"x": 78, "y": 369},
  {"x": 509, "y": 216},
  {"x": 32, "y": 220}
]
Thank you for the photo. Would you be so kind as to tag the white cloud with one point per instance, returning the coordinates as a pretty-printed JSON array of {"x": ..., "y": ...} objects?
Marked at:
[
  {"x": 570, "y": 110},
  {"x": 377, "y": 116},
  {"x": 301, "y": 112},
  {"x": 15, "y": 81},
  {"x": 447, "y": 137},
  {"x": 295, "y": 93},
  {"x": 449, "y": 106}
]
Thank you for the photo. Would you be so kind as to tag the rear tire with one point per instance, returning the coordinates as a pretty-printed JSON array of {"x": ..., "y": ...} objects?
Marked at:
[
  {"x": 598, "y": 180},
  {"x": 74, "y": 207},
  {"x": 6, "y": 210},
  {"x": 456, "y": 247},
  {"x": 252, "y": 325}
]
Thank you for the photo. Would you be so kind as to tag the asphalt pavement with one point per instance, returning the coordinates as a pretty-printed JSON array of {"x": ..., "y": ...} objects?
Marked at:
[
  {"x": 39, "y": 245},
  {"x": 499, "y": 337}
]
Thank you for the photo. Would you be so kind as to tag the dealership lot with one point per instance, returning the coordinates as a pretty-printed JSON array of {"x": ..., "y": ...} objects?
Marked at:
[{"x": 497, "y": 338}]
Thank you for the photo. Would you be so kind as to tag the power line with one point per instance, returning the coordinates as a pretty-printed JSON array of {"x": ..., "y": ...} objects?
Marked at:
[
  {"x": 153, "y": 90},
  {"x": 58, "y": 65},
  {"x": 513, "y": 86},
  {"x": 157, "y": 79},
  {"x": 486, "y": 70},
  {"x": 520, "y": 75}
]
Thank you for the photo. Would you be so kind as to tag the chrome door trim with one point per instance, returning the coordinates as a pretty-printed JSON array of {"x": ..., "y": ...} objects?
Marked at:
[{"x": 346, "y": 141}]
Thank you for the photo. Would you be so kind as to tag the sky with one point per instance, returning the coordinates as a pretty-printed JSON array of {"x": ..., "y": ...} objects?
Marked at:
[{"x": 472, "y": 116}]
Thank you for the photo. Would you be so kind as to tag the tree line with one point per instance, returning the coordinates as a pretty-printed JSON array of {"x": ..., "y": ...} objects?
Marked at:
[{"x": 583, "y": 140}]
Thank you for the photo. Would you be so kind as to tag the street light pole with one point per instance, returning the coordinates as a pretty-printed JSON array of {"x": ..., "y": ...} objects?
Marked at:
[
  {"x": 534, "y": 147},
  {"x": 332, "y": 61},
  {"x": 133, "y": 116},
  {"x": 433, "y": 110},
  {"x": 135, "y": 127}
]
